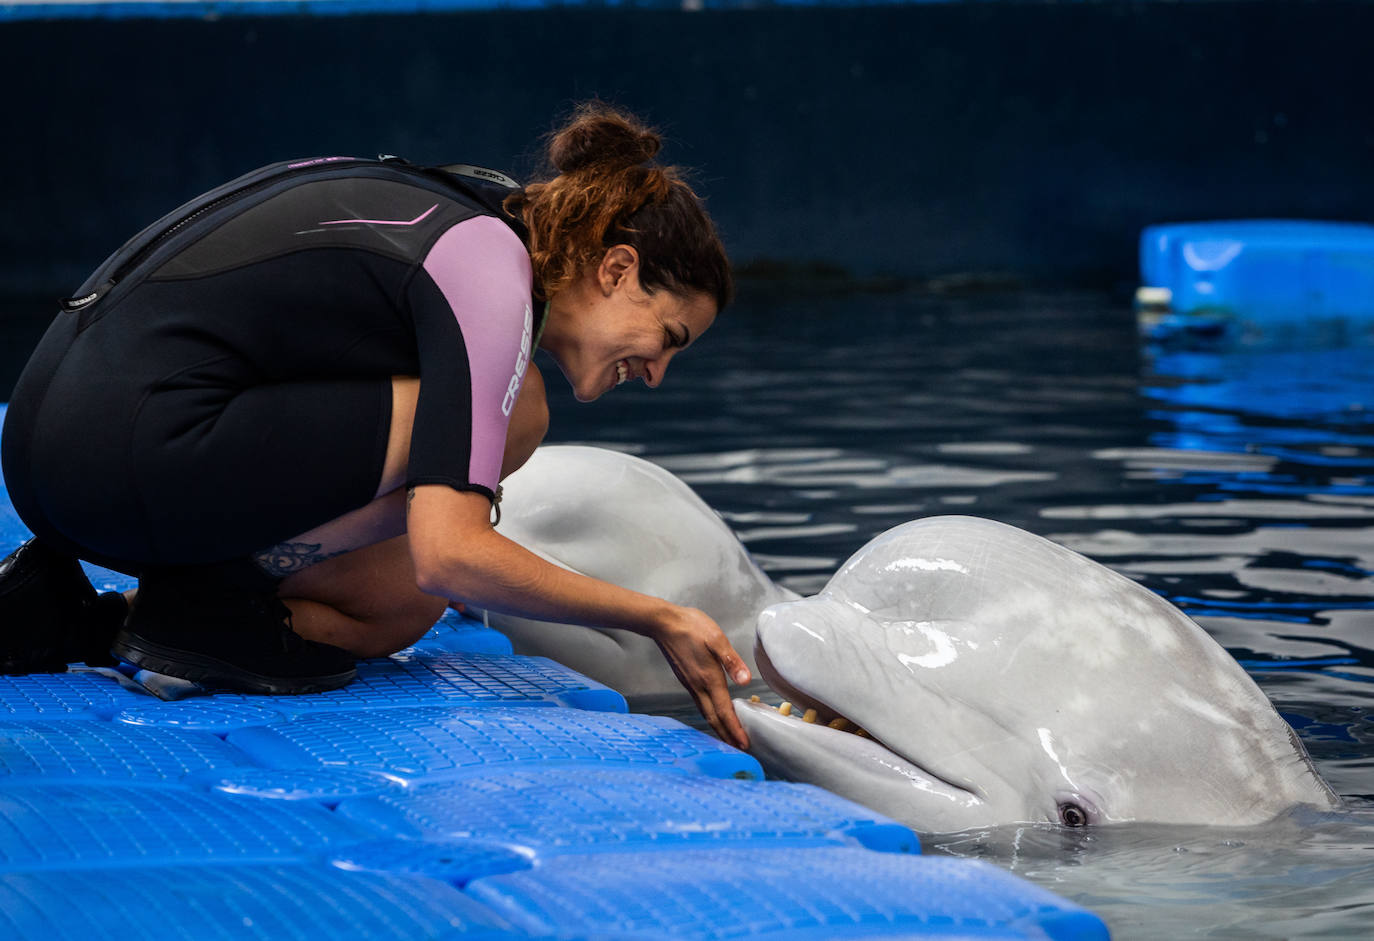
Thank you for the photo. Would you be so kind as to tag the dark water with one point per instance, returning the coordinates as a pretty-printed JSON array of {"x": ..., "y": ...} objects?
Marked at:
[{"x": 1238, "y": 482}]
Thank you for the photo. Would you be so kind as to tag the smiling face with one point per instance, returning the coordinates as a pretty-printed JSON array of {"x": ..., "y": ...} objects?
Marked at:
[{"x": 605, "y": 328}]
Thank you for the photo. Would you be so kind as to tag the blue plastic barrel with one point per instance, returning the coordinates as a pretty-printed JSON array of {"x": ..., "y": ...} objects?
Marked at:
[{"x": 1255, "y": 274}]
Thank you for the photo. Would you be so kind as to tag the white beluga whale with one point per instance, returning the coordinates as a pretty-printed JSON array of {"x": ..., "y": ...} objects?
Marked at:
[
  {"x": 1000, "y": 678},
  {"x": 627, "y": 521}
]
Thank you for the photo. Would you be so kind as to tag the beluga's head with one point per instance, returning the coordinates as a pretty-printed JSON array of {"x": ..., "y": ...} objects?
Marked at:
[{"x": 999, "y": 678}]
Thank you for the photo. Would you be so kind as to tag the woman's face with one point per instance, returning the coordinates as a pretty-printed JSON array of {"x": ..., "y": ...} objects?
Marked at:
[{"x": 605, "y": 329}]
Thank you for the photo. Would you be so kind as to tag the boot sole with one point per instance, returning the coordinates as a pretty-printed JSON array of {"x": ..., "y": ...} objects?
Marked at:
[{"x": 209, "y": 671}]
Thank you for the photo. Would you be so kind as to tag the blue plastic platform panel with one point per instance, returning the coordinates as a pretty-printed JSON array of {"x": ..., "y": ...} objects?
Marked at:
[
  {"x": 322, "y": 785},
  {"x": 204, "y": 713},
  {"x": 103, "y": 579},
  {"x": 56, "y": 826},
  {"x": 457, "y": 862},
  {"x": 553, "y": 811},
  {"x": 86, "y": 694},
  {"x": 448, "y": 679},
  {"x": 282, "y": 903},
  {"x": 456, "y": 632},
  {"x": 433, "y": 743},
  {"x": 1258, "y": 272},
  {"x": 75, "y": 750},
  {"x": 816, "y": 893}
]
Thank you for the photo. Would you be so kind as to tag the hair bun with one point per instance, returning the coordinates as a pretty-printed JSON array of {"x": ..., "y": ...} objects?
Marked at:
[{"x": 599, "y": 135}]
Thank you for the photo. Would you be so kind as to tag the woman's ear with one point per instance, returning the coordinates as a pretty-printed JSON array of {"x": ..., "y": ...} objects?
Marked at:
[{"x": 618, "y": 262}]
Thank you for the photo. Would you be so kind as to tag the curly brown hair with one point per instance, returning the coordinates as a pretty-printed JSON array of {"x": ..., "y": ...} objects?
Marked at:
[{"x": 608, "y": 190}]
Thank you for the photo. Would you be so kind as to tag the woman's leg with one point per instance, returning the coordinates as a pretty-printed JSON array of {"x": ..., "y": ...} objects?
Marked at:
[
  {"x": 351, "y": 582},
  {"x": 364, "y": 601}
]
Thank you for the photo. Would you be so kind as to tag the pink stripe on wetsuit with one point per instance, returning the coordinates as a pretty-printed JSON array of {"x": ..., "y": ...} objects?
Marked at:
[{"x": 483, "y": 271}]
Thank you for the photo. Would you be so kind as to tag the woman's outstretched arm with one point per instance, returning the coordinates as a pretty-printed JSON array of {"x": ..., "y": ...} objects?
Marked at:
[{"x": 459, "y": 555}]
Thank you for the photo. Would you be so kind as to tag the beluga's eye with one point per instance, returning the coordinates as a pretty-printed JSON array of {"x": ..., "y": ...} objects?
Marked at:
[{"x": 1072, "y": 815}]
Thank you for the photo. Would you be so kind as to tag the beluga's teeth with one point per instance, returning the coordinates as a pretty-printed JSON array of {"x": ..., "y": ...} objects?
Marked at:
[
  {"x": 840, "y": 723},
  {"x": 785, "y": 708},
  {"x": 754, "y": 699},
  {"x": 809, "y": 715}
]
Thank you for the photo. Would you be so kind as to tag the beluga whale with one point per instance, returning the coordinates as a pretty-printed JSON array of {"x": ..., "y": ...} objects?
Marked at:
[
  {"x": 963, "y": 673},
  {"x": 957, "y": 672},
  {"x": 625, "y": 520}
]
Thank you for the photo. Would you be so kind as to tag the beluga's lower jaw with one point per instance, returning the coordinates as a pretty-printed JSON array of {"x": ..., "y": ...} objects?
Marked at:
[{"x": 1005, "y": 679}]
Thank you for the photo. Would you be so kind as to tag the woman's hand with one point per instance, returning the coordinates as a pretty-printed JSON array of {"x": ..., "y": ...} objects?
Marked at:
[{"x": 704, "y": 661}]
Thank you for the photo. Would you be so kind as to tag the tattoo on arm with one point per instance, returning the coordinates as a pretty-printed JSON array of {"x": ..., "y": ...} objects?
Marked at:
[{"x": 291, "y": 557}]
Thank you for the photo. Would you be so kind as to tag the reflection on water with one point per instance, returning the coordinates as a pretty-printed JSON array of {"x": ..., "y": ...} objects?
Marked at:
[
  {"x": 1305, "y": 876},
  {"x": 1239, "y": 483}
]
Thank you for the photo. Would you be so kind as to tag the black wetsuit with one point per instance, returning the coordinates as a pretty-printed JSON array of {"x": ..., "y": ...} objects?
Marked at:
[{"x": 222, "y": 383}]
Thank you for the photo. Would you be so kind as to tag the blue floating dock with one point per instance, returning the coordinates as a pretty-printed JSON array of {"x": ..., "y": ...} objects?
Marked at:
[
  {"x": 301, "y": 901},
  {"x": 449, "y": 678},
  {"x": 1254, "y": 274},
  {"x": 824, "y": 893},
  {"x": 84, "y": 695},
  {"x": 97, "y": 826},
  {"x": 557, "y": 811},
  {"x": 453, "y": 791}
]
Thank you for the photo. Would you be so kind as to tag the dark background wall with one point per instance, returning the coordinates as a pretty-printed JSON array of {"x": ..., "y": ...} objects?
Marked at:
[{"x": 1032, "y": 139}]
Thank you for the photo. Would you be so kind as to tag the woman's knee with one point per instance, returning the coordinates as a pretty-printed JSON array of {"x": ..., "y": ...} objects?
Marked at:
[
  {"x": 365, "y": 601},
  {"x": 367, "y": 634},
  {"x": 400, "y": 626}
]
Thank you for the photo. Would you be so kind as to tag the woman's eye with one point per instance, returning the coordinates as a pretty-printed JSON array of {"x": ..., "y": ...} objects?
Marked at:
[{"x": 1071, "y": 815}]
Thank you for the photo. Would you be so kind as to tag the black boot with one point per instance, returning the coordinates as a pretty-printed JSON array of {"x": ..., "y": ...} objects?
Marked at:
[
  {"x": 224, "y": 626},
  {"x": 50, "y": 615}
]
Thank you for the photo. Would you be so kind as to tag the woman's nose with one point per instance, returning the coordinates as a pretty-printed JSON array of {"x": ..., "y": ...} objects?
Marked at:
[{"x": 655, "y": 369}]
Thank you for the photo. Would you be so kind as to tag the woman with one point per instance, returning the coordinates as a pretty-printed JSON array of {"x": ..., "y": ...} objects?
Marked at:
[{"x": 288, "y": 405}]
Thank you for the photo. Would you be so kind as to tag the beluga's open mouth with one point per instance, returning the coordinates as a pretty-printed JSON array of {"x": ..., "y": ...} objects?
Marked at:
[
  {"x": 796, "y": 704},
  {"x": 810, "y": 734}
]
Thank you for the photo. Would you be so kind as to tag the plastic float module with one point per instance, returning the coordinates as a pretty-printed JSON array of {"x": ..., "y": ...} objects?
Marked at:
[{"x": 1254, "y": 276}]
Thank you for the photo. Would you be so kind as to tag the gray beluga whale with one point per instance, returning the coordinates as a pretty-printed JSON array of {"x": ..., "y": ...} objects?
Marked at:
[
  {"x": 628, "y": 521},
  {"x": 1000, "y": 678}
]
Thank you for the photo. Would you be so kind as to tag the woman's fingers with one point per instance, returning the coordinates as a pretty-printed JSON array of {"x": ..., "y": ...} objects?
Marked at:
[
  {"x": 727, "y": 724},
  {"x": 704, "y": 661},
  {"x": 733, "y": 665},
  {"x": 729, "y": 658},
  {"x": 713, "y": 701}
]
